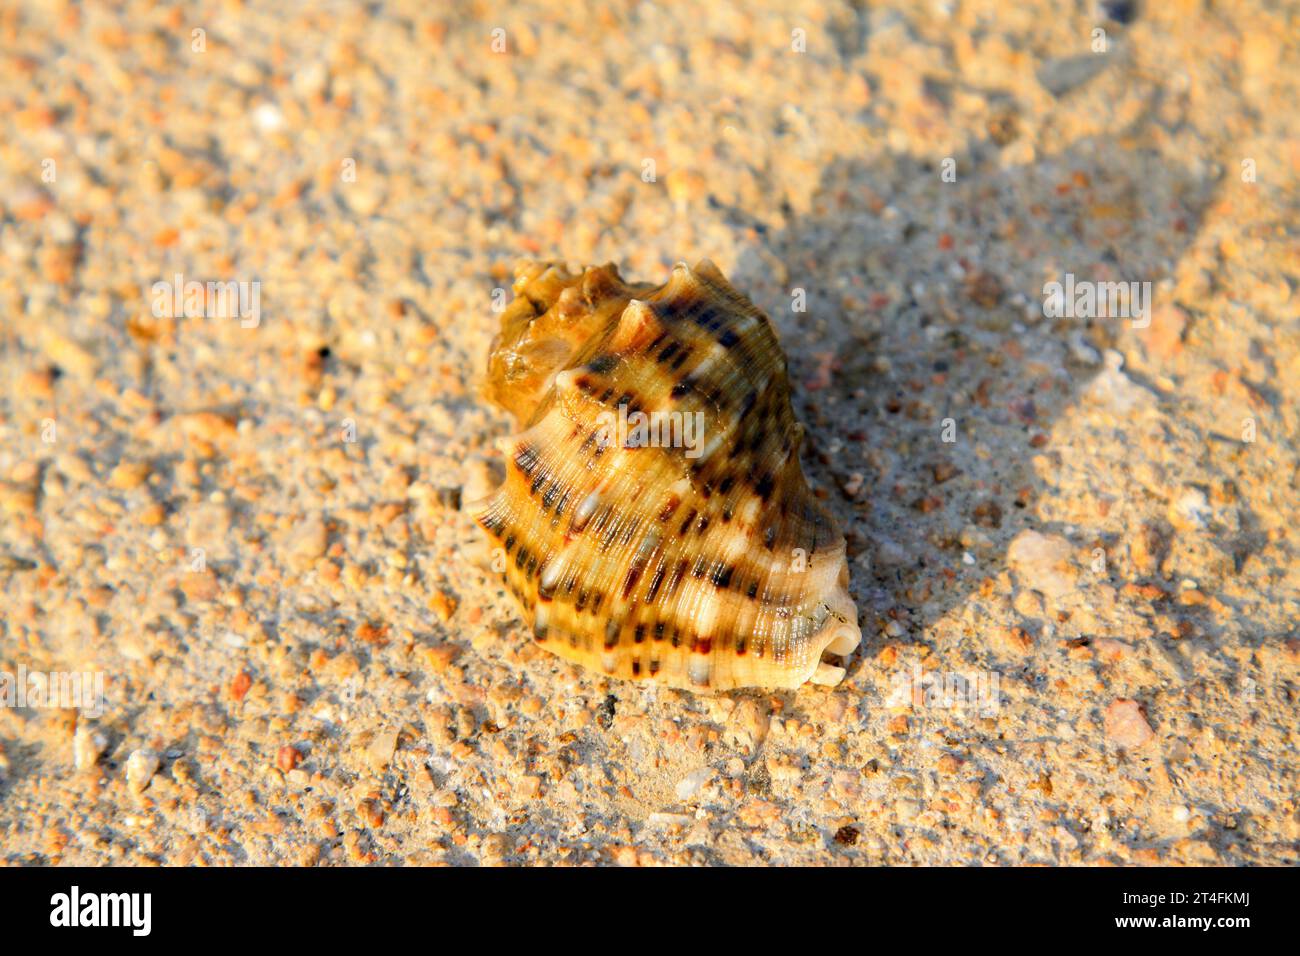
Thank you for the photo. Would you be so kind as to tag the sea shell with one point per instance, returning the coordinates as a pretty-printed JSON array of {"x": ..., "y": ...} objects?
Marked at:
[{"x": 655, "y": 520}]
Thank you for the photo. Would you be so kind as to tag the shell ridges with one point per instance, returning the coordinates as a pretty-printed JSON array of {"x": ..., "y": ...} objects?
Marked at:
[{"x": 655, "y": 519}]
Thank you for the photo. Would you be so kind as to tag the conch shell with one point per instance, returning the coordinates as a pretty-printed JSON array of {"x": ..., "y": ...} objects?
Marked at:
[{"x": 655, "y": 520}]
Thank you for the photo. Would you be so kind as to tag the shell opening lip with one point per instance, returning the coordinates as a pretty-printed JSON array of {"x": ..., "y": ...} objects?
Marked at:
[
  {"x": 844, "y": 639},
  {"x": 827, "y": 675}
]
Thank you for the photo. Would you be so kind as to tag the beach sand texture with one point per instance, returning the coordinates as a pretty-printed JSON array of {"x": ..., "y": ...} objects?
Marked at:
[{"x": 1073, "y": 537}]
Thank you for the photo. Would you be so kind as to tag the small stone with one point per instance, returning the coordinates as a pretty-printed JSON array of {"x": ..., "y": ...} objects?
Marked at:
[
  {"x": 440, "y": 657},
  {"x": 240, "y": 685},
  {"x": 1028, "y": 604},
  {"x": 1043, "y": 562},
  {"x": 1003, "y": 128},
  {"x": 942, "y": 471},
  {"x": 140, "y": 768},
  {"x": 372, "y": 812},
  {"x": 199, "y": 586},
  {"x": 1125, "y": 724},
  {"x": 984, "y": 289},
  {"x": 691, "y": 784},
  {"x": 1062, "y": 74},
  {"x": 497, "y": 847},
  {"x": 308, "y": 541},
  {"x": 747, "y": 726},
  {"x": 987, "y": 514},
  {"x": 287, "y": 758},
  {"x": 1190, "y": 511},
  {"x": 152, "y": 515},
  {"x": 268, "y": 118},
  {"x": 890, "y": 554},
  {"x": 442, "y": 604},
  {"x": 1109, "y": 650},
  {"x": 128, "y": 475},
  {"x": 184, "y": 770},
  {"x": 1163, "y": 336},
  {"x": 208, "y": 427},
  {"x": 364, "y": 200},
  {"x": 381, "y": 750},
  {"x": 1145, "y": 549},
  {"x": 298, "y": 779},
  {"x": 1082, "y": 352},
  {"x": 88, "y": 744},
  {"x": 907, "y": 810}
]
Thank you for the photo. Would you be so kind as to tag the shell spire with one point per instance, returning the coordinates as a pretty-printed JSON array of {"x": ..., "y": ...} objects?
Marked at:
[{"x": 655, "y": 518}]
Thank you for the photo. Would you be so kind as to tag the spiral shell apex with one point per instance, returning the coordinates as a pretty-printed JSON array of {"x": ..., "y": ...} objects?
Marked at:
[{"x": 654, "y": 518}]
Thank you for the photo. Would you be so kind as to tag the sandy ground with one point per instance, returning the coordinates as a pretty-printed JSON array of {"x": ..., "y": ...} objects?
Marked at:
[{"x": 254, "y": 531}]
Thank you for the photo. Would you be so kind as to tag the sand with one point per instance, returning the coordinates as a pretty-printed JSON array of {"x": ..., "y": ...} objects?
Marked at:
[{"x": 1073, "y": 537}]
